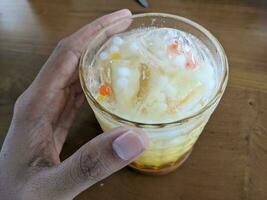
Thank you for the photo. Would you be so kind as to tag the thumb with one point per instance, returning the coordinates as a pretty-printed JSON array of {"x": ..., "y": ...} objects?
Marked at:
[{"x": 99, "y": 158}]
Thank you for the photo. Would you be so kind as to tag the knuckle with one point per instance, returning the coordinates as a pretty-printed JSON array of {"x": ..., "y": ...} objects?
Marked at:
[
  {"x": 20, "y": 103},
  {"x": 62, "y": 44},
  {"x": 24, "y": 106},
  {"x": 91, "y": 166},
  {"x": 67, "y": 46},
  {"x": 99, "y": 24}
]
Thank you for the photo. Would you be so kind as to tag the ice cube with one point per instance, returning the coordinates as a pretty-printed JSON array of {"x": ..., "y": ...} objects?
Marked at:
[
  {"x": 163, "y": 80},
  {"x": 124, "y": 71},
  {"x": 121, "y": 83},
  {"x": 114, "y": 48},
  {"x": 161, "y": 97},
  {"x": 157, "y": 106},
  {"x": 125, "y": 82},
  {"x": 103, "y": 55},
  {"x": 162, "y": 107},
  {"x": 134, "y": 46},
  {"x": 117, "y": 40},
  {"x": 180, "y": 60},
  {"x": 170, "y": 90}
]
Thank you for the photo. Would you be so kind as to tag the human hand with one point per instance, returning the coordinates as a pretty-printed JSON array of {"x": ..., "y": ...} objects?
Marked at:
[{"x": 30, "y": 167}]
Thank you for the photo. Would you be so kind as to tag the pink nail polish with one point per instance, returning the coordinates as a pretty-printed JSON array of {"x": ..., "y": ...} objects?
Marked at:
[{"x": 129, "y": 145}]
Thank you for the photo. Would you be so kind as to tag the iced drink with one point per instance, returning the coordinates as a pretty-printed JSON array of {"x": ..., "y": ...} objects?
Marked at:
[{"x": 151, "y": 78}]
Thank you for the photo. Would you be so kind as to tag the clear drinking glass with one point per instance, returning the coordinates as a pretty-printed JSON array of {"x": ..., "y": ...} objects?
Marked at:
[{"x": 170, "y": 143}]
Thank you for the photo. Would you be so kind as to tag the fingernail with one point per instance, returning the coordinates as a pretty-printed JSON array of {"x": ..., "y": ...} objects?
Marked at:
[
  {"x": 130, "y": 145},
  {"x": 125, "y": 11}
]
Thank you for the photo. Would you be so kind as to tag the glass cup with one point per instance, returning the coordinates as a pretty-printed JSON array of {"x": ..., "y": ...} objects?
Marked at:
[{"x": 170, "y": 143}]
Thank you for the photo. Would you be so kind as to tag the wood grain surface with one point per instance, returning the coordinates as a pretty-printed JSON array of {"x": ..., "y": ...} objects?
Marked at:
[{"x": 229, "y": 162}]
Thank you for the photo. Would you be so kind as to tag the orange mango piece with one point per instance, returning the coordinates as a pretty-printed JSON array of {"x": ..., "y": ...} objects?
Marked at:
[
  {"x": 105, "y": 90},
  {"x": 190, "y": 62},
  {"x": 174, "y": 48}
]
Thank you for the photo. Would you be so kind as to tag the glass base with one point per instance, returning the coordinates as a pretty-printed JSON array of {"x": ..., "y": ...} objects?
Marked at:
[{"x": 164, "y": 169}]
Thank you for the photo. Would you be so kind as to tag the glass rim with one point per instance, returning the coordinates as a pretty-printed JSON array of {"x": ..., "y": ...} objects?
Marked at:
[{"x": 193, "y": 24}]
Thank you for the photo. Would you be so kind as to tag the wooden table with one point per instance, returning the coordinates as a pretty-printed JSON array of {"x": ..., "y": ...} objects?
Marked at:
[{"x": 230, "y": 159}]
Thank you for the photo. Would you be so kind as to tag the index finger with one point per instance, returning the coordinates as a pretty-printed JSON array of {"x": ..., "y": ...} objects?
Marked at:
[
  {"x": 80, "y": 38},
  {"x": 63, "y": 62}
]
